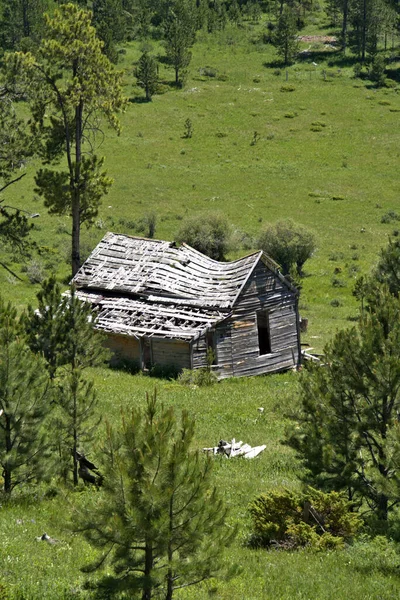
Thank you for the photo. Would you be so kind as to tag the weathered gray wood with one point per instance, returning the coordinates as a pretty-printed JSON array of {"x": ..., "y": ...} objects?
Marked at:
[{"x": 153, "y": 290}]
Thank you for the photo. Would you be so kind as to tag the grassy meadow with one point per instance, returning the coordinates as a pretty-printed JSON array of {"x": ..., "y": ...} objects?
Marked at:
[{"x": 326, "y": 155}]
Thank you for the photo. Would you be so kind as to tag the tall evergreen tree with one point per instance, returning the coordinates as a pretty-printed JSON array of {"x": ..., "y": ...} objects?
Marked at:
[
  {"x": 110, "y": 21},
  {"x": 21, "y": 21},
  {"x": 180, "y": 35},
  {"x": 285, "y": 38},
  {"x": 70, "y": 84},
  {"x": 17, "y": 146},
  {"x": 62, "y": 329},
  {"x": 146, "y": 74},
  {"x": 350, "y": 407},
  {"x": 160, "y": 521},
  {"x": 24, "y": 405}
]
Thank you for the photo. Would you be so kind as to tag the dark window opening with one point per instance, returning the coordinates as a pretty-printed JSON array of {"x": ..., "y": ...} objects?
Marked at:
[
  {"x": 211, "y": 354},
  {"x": 264, "y": 337}
]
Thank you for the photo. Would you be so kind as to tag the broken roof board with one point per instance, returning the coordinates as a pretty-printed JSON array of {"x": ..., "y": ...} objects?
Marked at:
[
  {"x": 151, "y": 288},
  {"x": 137, "y": 266}
]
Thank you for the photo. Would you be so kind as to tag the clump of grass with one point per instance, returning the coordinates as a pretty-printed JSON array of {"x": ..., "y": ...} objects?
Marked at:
[
  {"x": 390, "y": 216},
  {"x": 288, "y": 87},
  {"x": 336, "y": 303},
  {"x": 337, "y": 197},
  {"x": 290, "y": 115},
  {"x": 338, "y": 283}
]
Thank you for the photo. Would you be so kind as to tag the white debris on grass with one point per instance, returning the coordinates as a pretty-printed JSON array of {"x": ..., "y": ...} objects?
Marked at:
[{"x": 233, "y": 449}]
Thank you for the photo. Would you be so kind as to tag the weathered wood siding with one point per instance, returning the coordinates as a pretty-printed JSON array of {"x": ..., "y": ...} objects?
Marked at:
[
  {"x": 123, "y": 348},
  {"x": 238, "y": 351},
  {"x": 171, "y": 352},
  {"x": 199, "y": 353}
]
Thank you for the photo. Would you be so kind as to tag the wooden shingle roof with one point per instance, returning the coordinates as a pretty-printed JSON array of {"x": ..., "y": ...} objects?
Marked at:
[
  {"x": 143, "y": 287},
  {"x": 160, "y": 271}
]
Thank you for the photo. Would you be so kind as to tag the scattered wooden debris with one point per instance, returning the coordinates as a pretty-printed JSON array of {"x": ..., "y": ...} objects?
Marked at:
[
  {"x": 307, "y": 356},
  {"x": 233, "y": 449},
  {"x": 47, "y": 538}
]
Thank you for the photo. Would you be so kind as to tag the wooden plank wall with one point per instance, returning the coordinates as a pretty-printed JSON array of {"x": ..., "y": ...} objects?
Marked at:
[
  {"x": 123, "y": 347},
  {"x": 199, "y": 353},
  {"x": 238, "y": 353},
  {"x": 171, "y": 352}
]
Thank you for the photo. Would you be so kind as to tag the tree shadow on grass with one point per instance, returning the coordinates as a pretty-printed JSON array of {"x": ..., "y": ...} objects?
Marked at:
[{"x": 139, "y": 100}]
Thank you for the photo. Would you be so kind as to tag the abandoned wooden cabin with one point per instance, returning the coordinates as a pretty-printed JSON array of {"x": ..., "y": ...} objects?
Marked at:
[{"x": 161, "y": 304}]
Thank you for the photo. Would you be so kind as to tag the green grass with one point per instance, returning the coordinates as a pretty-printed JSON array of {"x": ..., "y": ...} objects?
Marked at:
[
  {"x": 226, "y": 410},
  {"x": 319, "y": 168},
  {"x": 327, "y": 157}
]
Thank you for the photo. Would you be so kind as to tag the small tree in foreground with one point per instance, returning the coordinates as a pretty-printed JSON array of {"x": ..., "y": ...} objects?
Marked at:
[
  {"x": 289, "y": 244},
  {"x": 24, "y": 404},
  {"x": 159, "y": 520},
  {"x": 347, "y": 432},
  {"x": 209, "y": 234},
  {"x": 63, "y": 331}
]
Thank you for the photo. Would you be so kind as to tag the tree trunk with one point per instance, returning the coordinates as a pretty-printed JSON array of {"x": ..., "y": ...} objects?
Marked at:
[
  {"x": 344, "y": 24},
  {"x": 148, "y": 567},
  {"x": 25, "y": 19},
  {"x": 7, "y": 472},
  {"x": 75, "y": 432},
  {"x": 382, "y": 506},
  {"x": 364, "y": 31},
  {"x": 76, "y": 189}
]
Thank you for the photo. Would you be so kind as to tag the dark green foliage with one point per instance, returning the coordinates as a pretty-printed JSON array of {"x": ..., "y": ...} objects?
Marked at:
[
  {"x": 377, "y": 70},
  {"x": 285, "y": 35},
  {"x": 209, "y": 235},
  {"x": 111, "y": 22},
  {"x": 42, "y": 324},
  {"x": 289, "y": 244},
  {"x": 146, "y": 74},
  {"x": 311, "y": 518},
  {"x": 22, "y": 22},
  {"x": 347, "y": 428},
  {"x": 58, "y": 196},
  {"x": 24, "y": 405},
  {"x": 158, "y": 521},
  {"x": 388, "y": 268},
  {"x": 69, "y": 83},
  {"x": 16, "y": 148},
  {"x": 63, "y": 331},
  {"x": 180, "y": 35}
]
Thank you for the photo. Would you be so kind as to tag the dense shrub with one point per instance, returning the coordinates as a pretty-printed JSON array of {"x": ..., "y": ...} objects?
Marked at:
[
  {"x": 294, "y": 519},
  {"x": 289, "y": 244},
  {"x": 209, "y": 234}
]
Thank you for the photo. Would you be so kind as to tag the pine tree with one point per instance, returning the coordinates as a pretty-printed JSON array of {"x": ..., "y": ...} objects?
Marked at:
[
  {"x": 110, "y": 21},
  {"x": 62, "y": 329},
  {"x": 159, "y": 520},
  {"x": 22, "y": 22},
  {"x": 146, "y": 75},
  {"x": 69, "y": 84},
  {"x": 285, "y": 38},
  {"x": 24, "y": 405},
  {"x": 180, "y": 35},
  {"x": 79, "y": 346},
  {"x": 350, "y": 408}
]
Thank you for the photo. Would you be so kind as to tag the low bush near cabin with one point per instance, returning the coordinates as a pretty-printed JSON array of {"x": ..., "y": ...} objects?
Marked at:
[{"x": 296, "y": 519}]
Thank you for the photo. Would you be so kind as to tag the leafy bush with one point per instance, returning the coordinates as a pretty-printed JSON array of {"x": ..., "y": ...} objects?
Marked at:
[
  {"x": 294, "y": 519},
  {"x": 289, "y": 244},
  {"x": 209, "y": 235},
  {"x": 201, "y": 377}
]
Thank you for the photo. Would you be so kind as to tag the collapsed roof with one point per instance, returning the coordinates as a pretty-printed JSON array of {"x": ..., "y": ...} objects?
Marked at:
[{"x": 145, "y": 287}]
